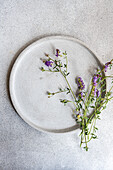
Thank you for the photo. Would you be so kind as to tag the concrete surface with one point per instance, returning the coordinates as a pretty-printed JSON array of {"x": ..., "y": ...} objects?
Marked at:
[{"x": 21, "y": 23}]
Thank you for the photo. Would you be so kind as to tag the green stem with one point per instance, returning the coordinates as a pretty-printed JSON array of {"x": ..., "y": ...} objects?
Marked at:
[
  {"x": 51, "y": 71},
  {"x": 51, "y": 59},
  {"x": 58, "y": 92},
  {"x": 73, "y": 103},
  {"x": 68, "y": 85},
  {"x": 99, "y": 108},
  {"x": 104, "y": 79},
  {"x": 66, "y": 64},
  {"x": 86, "y": 141},
  {"x": 91, "y": 127},
  {"x": 110, "y": 88}
]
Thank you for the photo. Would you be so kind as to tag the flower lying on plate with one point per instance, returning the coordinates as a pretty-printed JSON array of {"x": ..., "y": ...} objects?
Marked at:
[{"x": 88, "y": 103}]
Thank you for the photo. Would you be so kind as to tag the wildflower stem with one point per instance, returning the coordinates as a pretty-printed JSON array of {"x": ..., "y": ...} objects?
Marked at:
[
  {"x": 51, "y": 70},
  {"x": 58, "y": 92},
  {"x": 92, "y": 98},
  {"x": 68, "y": 85},
  {"x": 66, "y": 64},
  {"x": 110, "y": 88}
]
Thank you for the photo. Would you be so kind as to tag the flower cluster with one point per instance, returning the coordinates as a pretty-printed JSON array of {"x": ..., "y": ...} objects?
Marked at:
[
  {"x": 48, "y": 63},
  {"x": 81, "y": 95},
  {"x": 57, "y": 52},
  {"x": 95, "y": 91},
  {"x": 84, "y": 99},
  {"x": 80, "y": 83}
]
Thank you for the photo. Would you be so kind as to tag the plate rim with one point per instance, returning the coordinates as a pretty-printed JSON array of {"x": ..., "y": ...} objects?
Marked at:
[{"x": 12, "y": 73}]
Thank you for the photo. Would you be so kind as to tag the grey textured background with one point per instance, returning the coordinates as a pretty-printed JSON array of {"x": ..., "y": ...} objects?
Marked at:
[{"x": 22, "y": 22}]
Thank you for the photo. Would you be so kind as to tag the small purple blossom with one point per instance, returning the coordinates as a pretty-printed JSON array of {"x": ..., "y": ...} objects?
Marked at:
[
  {"x": 95, "y": 80},
  {"x": 107, "y": 65},
  {"x": 95, "y": 92},
  {"x": 99, "y": 76},
  {"x": 49, "y": 63},
  {"x": 80, "y": 83},
  {"x": 98, "y": 93},
  {"x": 57, "y": 52},
  {"x": 81, "y": 95}
]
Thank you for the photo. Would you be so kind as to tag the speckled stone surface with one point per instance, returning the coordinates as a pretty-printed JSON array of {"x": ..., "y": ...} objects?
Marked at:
[{"x": 21, "y": 23}]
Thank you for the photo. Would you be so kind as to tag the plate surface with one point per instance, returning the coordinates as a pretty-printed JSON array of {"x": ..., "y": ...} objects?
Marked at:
[{"x": 28, "y": 85}]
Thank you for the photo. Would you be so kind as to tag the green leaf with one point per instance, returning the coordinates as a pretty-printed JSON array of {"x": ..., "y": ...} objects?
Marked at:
[
  {"x": 65, "y": 101},
  {"x": 110, "y": 66},
  {"x": 103, "y": 90},
  {"x": 112, "y": 81},
  {"x": 65, "y": 53},
  {"x": 67, "y": 74},
  {"x": 86, "y": 148},
  {"x": 60, "y": 89},
  {"x": 98, "y": 117},
  {"x": 89, "y": 122},
  {"x": 92, "y": 106},
  {"x": 104, "y": 107},
  {"x": 92, "y": 99},
  {"x": 95, "y": 128},
  {"x": 80, "y": 105},
  {"x": 54, "y": 67},
  {"x": 94, "y": 137},
  {"x": 42, "y": 69},
  {"x": 48, "y": 93},
  {"x": 108, "y": 93},
  {"x": 57, "y": 69},
  {"x": 98, "y": 80},
  {"x": 86, "y": 118},
  {"x": 98, "y": 112}
]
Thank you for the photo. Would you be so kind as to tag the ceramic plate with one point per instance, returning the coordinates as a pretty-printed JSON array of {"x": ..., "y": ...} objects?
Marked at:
[{"x": 29, "y": 86}]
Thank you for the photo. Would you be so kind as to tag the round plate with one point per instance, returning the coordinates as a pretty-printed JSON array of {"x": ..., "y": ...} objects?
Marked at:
[{"x": 29, "y": 85}]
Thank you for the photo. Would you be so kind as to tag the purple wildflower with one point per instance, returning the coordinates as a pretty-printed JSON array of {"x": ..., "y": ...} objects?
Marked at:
[
  {"x": 95, "y": 80},
  {"x": 80, "y": 83},
  {"x": 81, "y": 95},
  {"x": 99, "y": 76},
  {"x": 106, "y": 66},
  {"x": 48, "y": 63},
  {"x": 95, "y": 92},
  {"x": 57, "y": 52},
  {"x": 98, "y": 93}
]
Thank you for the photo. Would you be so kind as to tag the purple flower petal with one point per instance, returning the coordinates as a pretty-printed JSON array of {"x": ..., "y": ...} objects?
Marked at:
[
  {"x": 98, "y": 93},
  {"x": 57, "y": 52},
  {"x": 80, "y": 83},
  {"x": 95, "y": 80},
  {"x": 48, "y": 63},
  {"x": 106, "y": 66},
  {"x": 81, "y": 95}
]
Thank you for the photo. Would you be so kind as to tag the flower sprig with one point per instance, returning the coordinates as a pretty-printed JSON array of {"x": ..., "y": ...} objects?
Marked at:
[{"x": 88, "y": 103}]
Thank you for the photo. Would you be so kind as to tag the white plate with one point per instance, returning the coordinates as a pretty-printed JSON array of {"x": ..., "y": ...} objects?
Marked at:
[{"x": 28, "y": 85}]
